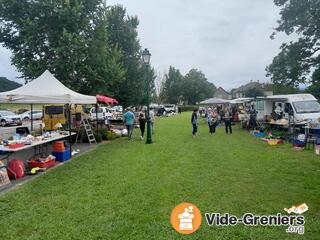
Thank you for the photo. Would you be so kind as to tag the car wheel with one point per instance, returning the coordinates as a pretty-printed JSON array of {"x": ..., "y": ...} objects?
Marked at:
[
  {"x": 20, "y": 123},
  {"x": 26, "y": 118},
  {"x": 3, "y": 123}
]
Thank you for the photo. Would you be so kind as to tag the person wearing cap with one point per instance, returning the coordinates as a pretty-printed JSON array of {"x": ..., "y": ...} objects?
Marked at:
[{"x": 128, "y": 118}]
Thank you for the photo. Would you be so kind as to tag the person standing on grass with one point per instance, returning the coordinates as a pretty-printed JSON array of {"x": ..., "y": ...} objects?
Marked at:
[
  {"x": 209, "y": 119},
  {"x": 227, "y": 120},
  {"x": 214, "y": 121},
  {"x": 194, "y": 122},
  {"x": 142, "y": 124},
  {"x": 152, "y": 118},
  {"x": 128, "y": 118},
  {"x": 221, "y": 114}
]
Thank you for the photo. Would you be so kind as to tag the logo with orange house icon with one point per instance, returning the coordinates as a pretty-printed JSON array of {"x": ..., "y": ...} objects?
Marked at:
[{"x": 186, "y": 218}]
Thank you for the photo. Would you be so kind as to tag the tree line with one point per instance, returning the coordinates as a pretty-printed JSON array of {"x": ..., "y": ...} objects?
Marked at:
[
  {"x": 299, "y": 60},
  {"x": 186, "y": 89},
  {"x": 92, "y": 48}
]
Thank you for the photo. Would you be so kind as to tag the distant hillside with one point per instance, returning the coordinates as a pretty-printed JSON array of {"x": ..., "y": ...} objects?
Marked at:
[{"x": 7, "y": 85}]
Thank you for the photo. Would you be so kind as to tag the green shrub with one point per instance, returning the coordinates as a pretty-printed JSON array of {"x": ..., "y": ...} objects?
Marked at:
[
  {"x": 111, "y": 135},
  {"x": 104, "y": 133},
  {"x": 98, "y": 136},
  {"x": 188, "y": 108}
]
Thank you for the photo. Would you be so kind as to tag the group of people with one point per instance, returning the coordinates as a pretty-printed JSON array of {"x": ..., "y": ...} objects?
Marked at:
[
  {"x": 129, "y": 119},
  {"x": 214, "y": 117}
]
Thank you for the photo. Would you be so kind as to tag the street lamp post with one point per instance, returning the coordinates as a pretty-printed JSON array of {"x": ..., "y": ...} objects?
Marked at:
[{"x": 146, "y": 60}]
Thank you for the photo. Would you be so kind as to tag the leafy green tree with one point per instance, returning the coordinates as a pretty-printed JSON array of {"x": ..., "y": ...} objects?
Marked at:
[
  {"x": 123, "y": 34},
  {"x": 285, "y": 89},
  {"x": 172, "y": 89},
  {"x": 104, "y": 72},
  {"x": 254, "y": 92},
  {"x": 195, "y": 87},
  {"x": 297, "y": 59},
  {"x": 67, "y": 37},
  {"x": 314, "y": 88},
  {"x": 149, "y": 85}
]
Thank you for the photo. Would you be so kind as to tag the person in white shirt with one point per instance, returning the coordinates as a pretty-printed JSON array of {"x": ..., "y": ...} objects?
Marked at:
[
  {"x": 152, "y": 118},
  {"x": 278, "y": 111}
]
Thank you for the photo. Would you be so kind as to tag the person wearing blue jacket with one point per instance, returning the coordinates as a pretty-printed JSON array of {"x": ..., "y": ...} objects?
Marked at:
[{"x": 128, "y": 118}]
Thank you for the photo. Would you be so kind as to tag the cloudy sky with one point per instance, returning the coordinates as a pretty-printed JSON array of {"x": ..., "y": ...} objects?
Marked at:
[{"x": 228, "y": 40}]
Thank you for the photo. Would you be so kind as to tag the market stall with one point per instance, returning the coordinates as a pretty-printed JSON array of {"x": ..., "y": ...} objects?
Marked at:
[
  {"x": 241, "y": 106},
  {"x": 45, "y": 89}
]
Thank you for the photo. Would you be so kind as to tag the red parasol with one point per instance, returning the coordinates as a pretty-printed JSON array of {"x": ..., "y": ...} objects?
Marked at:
[{"x": 107, "y": 100}]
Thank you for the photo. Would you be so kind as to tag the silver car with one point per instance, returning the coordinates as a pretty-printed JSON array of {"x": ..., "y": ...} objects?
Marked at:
[
  {"x": 36, "y": 114},
  {"x": 9, "y": 118}
]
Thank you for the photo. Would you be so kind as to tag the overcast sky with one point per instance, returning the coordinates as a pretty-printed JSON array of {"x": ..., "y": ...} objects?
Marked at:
[{"x": 227, "y": 40}]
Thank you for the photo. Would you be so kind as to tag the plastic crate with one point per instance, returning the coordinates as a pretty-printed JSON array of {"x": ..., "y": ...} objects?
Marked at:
[
  {"x": 46, "y": 164},
  {"x": 62, "y": 156},
  {"x": 298, "y": 143}
]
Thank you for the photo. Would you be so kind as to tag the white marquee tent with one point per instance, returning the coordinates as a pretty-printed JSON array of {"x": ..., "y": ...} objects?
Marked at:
[
  {"x": 214, "y": 101},
  {"x": 45, "y": 89}
]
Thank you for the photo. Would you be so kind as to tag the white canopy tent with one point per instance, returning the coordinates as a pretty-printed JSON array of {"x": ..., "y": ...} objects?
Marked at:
[
  {"x": 214, "y": 101},
  {"x": 45, "y": 89},
  {"x": 241, "y": 100}
]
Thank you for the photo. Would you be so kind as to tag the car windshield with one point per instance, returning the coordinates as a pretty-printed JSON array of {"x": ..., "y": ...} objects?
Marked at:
[
  {"x": 7, "y": 113},
  {"x": 307, "y": 106}
]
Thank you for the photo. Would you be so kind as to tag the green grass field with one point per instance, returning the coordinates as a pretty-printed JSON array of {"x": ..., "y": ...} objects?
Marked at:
[{"x": 126, "y": 190}]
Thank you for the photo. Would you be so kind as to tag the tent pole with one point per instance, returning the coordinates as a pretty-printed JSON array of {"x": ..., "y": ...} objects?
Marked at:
[
  {"x": 69, "y": 123},
  {"x": 31, "y": 118}
]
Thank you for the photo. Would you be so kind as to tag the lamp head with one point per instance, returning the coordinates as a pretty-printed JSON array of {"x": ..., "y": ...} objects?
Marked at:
[{"x": 146, "y": 56}]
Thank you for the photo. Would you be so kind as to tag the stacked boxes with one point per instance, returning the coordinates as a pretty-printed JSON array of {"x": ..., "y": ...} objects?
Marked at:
[{"x": 61, "y": 152}]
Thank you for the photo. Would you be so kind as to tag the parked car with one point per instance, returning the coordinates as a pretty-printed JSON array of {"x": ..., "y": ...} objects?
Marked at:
[
  {"x": 9, "y": 118},
  {"x": 103, "y": 114},
  {"x": 170, "y": 108},
  {"x": 36, "y": 114},
  {"x": 116, "y": 108}
]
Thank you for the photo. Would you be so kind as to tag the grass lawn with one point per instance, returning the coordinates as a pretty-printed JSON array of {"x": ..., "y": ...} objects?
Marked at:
[{"x": 126, "y": 190}]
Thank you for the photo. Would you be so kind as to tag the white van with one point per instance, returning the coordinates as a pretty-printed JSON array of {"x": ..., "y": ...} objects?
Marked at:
[
  {"x": 303, "y": 107},
  {"x": 170, "y": 108},
  {"x": 103, "y": 114}
]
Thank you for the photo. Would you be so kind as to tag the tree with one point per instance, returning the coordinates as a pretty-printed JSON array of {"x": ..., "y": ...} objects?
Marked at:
[
  {"x": 285, "y": 89},
  {"x": 195, "y": 87},
  {"x": 68, "y": 37},
  {"x": 122, "y": 30},
  {"x": 297, "y": 59},
  {"x": 103, "y": 68},
  {"x": 315, "y": 86},
  {"x": 254, "y": 92},
  {"x": 172, "y": 89}
]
